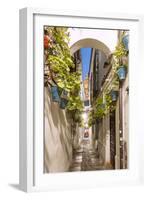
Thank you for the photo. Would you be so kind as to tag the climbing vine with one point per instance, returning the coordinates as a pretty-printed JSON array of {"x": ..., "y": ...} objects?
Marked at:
[
  {"x": 61, "y": 66},
  {"x": 120, "y": 54}
]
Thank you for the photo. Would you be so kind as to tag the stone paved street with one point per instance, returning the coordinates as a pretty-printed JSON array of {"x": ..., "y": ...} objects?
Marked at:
[{"x": 85, "y": 159}]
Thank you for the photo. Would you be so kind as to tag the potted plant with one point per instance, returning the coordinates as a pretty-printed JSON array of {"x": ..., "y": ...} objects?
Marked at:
[
  {"x": 63, "y": 99},
  {"x": 55, "y": 93},
  {"x": 121, "y": 72},
  {"x": 114, "y": 88},
  {"x": 121, "y": 60},
  {"x": 61, "y": 63},
  {"x": 125, "y": 41},
  {"x": 63, "y": 103},
  {"x": 47, "y": 40},
  {"x": 114, "y": 95}
]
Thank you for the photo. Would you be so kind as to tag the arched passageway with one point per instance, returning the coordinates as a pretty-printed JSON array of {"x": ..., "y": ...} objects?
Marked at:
[
  {"x": 73, "y": 140},
  {"x": 84, "y": 146},
  {"x": 92, "y": 43}
]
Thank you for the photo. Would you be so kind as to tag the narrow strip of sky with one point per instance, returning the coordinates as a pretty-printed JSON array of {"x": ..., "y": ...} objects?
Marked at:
[{"x": 85, "y": 56}]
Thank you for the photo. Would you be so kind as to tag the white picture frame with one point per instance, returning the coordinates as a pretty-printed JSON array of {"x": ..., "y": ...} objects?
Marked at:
[{"x": 31, "y": 175}]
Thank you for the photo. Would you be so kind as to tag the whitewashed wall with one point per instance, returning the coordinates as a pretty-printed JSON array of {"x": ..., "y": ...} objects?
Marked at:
[
  {"x": 108, "y": 37},
  {"x": 58, "y": 142}
]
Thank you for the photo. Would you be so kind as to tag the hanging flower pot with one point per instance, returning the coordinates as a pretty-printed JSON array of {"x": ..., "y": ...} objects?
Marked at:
[
  {"x": 125, "y": 41},
  {"x": 121, "y": 72},
  {"x": 63, "y": 103},
  {"x": 64, "y": 94},
  {"x": 64, "y": 99},
  {"x": 46, "y": 41},
  {"x": 114, "y": 95},
  {"x": 55, "y": 94}
]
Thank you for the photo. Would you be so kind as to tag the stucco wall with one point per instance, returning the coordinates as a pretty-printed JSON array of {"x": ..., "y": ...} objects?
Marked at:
[
  {"x": 106, "y": 37},
  {"x": 58, "y": 140}
]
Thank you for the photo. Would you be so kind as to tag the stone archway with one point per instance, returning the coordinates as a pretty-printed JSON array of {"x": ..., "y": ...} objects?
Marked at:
[{"x": 89, "y": 42}]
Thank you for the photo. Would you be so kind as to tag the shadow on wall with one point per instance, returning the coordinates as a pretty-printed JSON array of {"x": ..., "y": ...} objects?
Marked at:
[{"x": 57, "y": 133}]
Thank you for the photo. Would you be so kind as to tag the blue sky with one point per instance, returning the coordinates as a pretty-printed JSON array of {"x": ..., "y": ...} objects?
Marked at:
[{"x": 85, "y": 54}]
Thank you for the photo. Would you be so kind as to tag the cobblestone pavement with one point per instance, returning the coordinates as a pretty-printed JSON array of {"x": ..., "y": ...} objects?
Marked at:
[{"x": 85, "y": 159}]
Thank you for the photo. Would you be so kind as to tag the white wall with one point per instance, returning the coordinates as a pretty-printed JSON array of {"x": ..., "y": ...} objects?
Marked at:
[
  {"x": 58, "y": 137},
  {"x": 108, "y": 37},
  {"x": 9, "y": 99}
]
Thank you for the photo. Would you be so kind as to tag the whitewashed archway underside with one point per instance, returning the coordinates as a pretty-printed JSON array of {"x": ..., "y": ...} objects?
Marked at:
[
  {"x": 92, "y": 43},
  {"x": 105, "y": 40}
]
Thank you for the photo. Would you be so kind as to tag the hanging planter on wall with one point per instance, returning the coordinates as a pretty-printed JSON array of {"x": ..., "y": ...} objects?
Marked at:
[
  {"x": 63, "y": 103},
  {"x": 64, "y": 94},
  {"x": 55, "y": 93},
  {"x": 121, "y": 72},
  {"x": 64, "y": 99},
  {"x": 114, "y": 95},
  {"x": 125, "y": 41}
]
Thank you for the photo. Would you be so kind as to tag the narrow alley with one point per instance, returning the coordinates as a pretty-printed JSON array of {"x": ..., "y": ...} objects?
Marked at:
[
  {"x": 86, "y": 95},
  {"x": 85, "y": 159}
]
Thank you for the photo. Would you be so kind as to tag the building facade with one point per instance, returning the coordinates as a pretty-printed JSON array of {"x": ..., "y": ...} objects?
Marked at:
[{"x": 110, "y": 132}]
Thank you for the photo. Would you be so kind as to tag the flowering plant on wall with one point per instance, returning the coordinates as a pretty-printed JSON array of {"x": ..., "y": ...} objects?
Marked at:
[
  {"x": 120, "y": 57},
  {"x": 61, "y": 68}
]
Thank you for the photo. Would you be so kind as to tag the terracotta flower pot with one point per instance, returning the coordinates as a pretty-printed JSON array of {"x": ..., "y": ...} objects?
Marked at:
[{"x": 46, "y": 41}]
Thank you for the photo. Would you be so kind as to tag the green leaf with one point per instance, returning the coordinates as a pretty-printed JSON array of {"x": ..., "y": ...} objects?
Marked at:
[{"x": 61, "y": 84}]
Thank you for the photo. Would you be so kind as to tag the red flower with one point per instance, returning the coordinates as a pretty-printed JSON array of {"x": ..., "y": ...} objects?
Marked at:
[{"x": 46, "y": 41}]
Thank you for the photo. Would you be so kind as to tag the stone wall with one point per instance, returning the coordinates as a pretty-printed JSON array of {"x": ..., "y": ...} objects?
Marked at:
[{"x": 57, "y": 137}]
